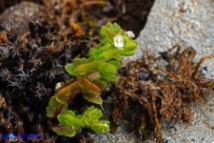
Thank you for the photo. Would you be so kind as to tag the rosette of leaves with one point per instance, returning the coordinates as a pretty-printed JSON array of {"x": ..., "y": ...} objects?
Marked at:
[
  {"x": 92, "y": 75},
  {"x": 70, "y": 123}
]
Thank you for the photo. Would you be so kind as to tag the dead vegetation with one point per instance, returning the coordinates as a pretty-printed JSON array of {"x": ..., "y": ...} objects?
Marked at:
[
  {"x": 74, "y": 16},
  {"x": 148, "y": 92}
]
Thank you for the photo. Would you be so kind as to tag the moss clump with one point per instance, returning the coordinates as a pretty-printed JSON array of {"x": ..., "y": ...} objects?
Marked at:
[{"x": 148, "y": 92}]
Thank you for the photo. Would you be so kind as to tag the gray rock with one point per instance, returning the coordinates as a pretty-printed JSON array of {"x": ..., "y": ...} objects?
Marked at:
[
  {"x": 185, "y": 23},
  {"x": 18, "y": 16}
]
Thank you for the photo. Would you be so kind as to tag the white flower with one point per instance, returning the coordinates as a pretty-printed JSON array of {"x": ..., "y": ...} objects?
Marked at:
[
  {"x": 130, "y": 34},
  {"x": 119, "y": 41},
  {"x": 58, "y": 86}
]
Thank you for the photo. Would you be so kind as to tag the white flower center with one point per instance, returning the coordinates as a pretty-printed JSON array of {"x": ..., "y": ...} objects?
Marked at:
[{"x": 119, "y": 41}]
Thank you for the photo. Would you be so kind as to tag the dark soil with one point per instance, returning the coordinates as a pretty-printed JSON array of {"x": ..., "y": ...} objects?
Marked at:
[{"x": 32, "y": 61}]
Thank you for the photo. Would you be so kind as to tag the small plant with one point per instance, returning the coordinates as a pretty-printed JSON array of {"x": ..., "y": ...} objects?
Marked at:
[
  {"x": 92, "y": 75},
  {"x": 70, "y": 122}
]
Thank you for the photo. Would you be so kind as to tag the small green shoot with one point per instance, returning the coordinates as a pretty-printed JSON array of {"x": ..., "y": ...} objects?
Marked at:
[
  {"x": 70, "y": 123},
  {"x": 92, "y": 76}
]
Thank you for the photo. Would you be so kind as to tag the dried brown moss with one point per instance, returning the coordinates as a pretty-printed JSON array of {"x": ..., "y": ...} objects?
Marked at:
[
  {"x": 148, "y": 92},
  {"x": 31, "y": 64}
]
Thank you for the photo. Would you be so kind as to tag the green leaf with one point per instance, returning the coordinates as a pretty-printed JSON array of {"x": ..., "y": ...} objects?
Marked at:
[
  {"x": 109, "y": 54},
  {"x": 68, "y": 131},
  {"x": 54, "y": 107},
  {"x": 101, "y": 83},
  {"x": 69, "y": 68},
  {"x": 91, "y": 91},
  {"x": 93, "y": 97},
  {"x": 107, "y": 70},
  {"x": 106, "y": 46},
  {"x": 63, "y": 94},
  {"x": 105, "y": 67},
  {"x": 91, "y": 115},
  {"x": 91, "y": 118},
  {"x": 110, "y": 30},
  {"x": 70, "y": 123},
  {"x": 108, "y": 76},
  {"x": 69, "y": 119},
  {"x": 94, "y": 53},
  {"x": 86, "y": 68},
  {"x": 62, "y": 99},
  {"x": 100, "y": 126},
  {"x": 129, "y": 47},
  {"x": 79, "y": 61},
  {"x": 115, "y": 63}
]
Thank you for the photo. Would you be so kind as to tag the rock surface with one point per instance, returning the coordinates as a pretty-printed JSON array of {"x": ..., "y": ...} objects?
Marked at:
[
  {"x": 18, "y": 16},
  {"x": 185, "y": 23}
]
